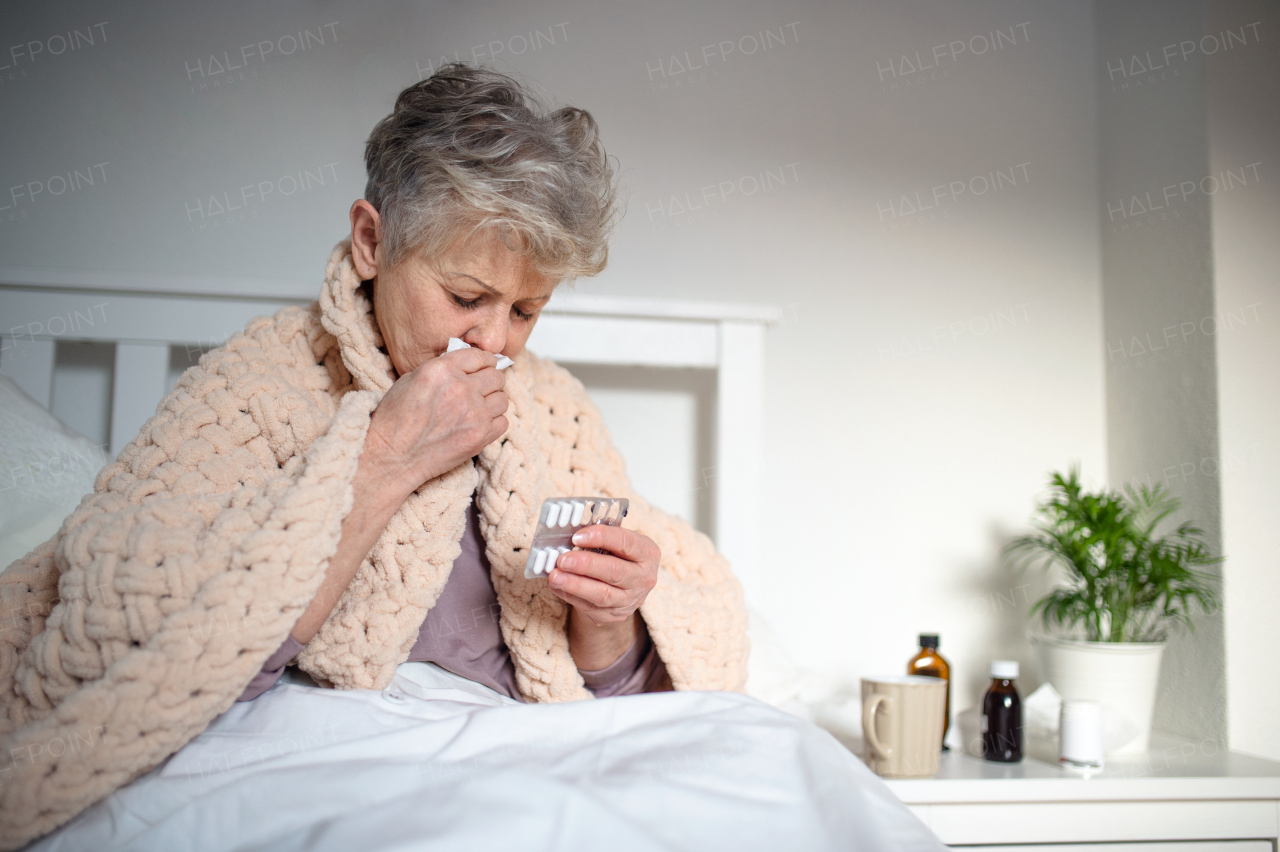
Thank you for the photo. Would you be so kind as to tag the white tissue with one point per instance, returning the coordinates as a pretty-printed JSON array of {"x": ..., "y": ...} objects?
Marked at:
[
  {"x": 1042, "y": 708},
  {"x": 455, "y": 344}
]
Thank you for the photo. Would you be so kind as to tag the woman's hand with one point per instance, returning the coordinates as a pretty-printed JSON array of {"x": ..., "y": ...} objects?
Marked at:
[
  {"x": 607, "y": 587},
  {"x": 438, "y": 416},
  {"x": 429, "y": 422},
  {"x": 605, "y": 590}
]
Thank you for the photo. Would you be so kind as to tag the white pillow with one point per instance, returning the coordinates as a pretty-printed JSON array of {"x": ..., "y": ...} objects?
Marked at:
[
  {"x": 45, "y": 469},
  {"x": 775, "y": 678}
]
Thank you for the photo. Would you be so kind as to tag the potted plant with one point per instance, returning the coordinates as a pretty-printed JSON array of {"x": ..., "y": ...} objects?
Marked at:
[{"x": 1127, "y": 587}]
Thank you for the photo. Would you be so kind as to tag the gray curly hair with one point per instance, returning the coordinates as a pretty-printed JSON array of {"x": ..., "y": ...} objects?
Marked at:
[{"x": 469, "y": 149}]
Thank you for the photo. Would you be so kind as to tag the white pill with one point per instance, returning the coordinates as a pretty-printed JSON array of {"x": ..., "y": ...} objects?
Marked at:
[
  {"x": 550, "y": 512},
  {"x": 566, "y": 511},
  {"x": 540, "y": 562},
  {"x": 577, "y": 513}
]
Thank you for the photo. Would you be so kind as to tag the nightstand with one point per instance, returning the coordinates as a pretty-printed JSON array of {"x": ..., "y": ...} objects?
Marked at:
[{"x": 1181, "y": 795}]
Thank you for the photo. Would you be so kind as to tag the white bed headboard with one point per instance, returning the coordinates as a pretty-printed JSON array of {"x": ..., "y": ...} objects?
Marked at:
[{"x": 144, "y": 323}]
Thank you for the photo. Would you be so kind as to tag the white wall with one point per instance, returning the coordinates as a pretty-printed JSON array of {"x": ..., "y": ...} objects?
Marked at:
[
  {"x": 1244, "y": 129},
  {"x": 934, "y": 363},
  {"x": 1157, "y": 280}
]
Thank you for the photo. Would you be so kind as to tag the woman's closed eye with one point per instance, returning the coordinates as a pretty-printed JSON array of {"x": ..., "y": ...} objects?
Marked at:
[{"x": 468, "y": 304}]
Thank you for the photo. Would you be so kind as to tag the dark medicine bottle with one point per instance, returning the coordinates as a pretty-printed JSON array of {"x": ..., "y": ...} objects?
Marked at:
[
  {"x": 930, "y": 664},
  {"x": 1002, "y": 715}
]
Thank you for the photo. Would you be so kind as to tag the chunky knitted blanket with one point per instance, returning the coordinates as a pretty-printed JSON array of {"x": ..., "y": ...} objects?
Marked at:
[{"x": 170, "y": 585}]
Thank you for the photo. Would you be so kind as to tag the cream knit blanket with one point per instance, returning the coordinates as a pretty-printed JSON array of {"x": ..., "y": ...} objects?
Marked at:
[{"x": 170, "y": 585}]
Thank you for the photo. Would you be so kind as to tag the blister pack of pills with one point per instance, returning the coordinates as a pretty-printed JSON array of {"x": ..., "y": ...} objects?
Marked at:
[{"x": 562, "y": 517}]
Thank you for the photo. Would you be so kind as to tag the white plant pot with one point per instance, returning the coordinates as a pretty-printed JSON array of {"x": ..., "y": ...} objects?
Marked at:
[{"x": 1121, "y": 675}]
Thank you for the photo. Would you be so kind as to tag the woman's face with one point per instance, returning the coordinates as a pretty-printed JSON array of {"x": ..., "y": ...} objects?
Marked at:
[{"x": 481, "y": 292}]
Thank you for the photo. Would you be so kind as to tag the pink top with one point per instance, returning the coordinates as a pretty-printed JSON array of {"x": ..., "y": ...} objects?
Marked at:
[{"x": 461, "y": 634}]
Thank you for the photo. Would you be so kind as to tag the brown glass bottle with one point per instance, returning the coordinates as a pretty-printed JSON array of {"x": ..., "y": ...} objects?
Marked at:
[
  {"x": 930, "y": 664},
  {"x": 1002, "y": 715}
]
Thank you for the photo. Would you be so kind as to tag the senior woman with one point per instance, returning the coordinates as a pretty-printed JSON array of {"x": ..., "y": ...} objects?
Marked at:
[{"x": 333, "y": 487}]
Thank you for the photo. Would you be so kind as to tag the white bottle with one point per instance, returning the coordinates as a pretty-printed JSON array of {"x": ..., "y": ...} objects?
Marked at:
[{"x": 1080, "y": 735}]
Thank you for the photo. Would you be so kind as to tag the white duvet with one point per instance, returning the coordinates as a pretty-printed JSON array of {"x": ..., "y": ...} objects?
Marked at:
[{"x": 439, "y": 762}]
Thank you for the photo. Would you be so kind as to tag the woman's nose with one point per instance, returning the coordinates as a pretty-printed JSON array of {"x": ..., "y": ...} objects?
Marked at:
[{"x": 491, "y": 335}]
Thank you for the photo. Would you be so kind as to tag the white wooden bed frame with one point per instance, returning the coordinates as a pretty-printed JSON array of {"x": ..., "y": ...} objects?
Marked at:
[{"x": 144, "y": 318}]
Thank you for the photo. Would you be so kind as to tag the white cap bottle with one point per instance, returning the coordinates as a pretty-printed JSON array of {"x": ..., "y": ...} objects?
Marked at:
[{"x": 1004, "y": 669}]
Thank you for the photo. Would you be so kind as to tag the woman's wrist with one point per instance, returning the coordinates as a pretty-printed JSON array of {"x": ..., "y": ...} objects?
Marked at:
[
  {"x": 598, "y": 646},
  {"x": 388, "y": 474}
]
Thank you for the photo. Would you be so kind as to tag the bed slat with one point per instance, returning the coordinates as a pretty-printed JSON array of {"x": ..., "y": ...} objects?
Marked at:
[
  {"x": 137, "y": 388},
  {"x": 30, "y": 364}
]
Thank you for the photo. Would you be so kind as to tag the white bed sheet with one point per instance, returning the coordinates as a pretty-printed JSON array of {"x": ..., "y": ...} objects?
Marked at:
[{"x": 439, "y": 762}]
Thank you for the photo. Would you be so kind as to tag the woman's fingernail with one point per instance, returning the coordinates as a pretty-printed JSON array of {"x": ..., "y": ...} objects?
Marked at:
[{"x": 579, "y": 537}]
